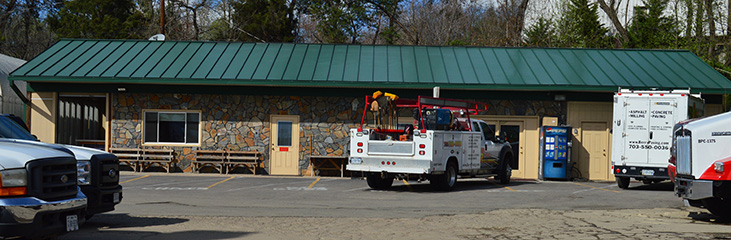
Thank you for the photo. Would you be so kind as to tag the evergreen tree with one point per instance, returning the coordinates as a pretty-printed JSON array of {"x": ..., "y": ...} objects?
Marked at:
[
  {"x": 96, "y": 19},
  {"x": 650, "y": 29},
  {"x": 263, "y": 20},
  {"x": 540, "y": 34},
  {"x": 581, "y": 26}
]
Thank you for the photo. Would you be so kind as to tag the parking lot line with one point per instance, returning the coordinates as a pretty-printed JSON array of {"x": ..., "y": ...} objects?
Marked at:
[
  {"x": 135, "y": 179},
  {"x": 506, "y": 187},
  {"x": 313, "y": 183},
  {"x": 222, "y": 181},
  {"x": 580, "y": 184}
]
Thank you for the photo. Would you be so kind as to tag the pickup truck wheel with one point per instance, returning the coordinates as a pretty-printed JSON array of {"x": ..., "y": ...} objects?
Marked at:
[
  {"x": 505, "y": 170},
  {"x": 375, "y": 181},
  {"x": 446, "y": 181},
  {"x": 719, "y": 207},
  {"x": 623, "y": 182}
]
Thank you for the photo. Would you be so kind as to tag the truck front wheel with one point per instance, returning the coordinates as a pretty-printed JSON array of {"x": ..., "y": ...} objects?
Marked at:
[
  {"x": 379, "y": 182},
  {"x": 623, "y": 182},
  {"x": 446, "y": 181},
  {"x": 505, "y": 170},
  {"x": 719, "y": 207}
]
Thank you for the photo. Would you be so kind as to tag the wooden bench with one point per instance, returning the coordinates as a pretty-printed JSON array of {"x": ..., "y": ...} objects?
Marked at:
[
  {"x": 128, "y": 156},
  {"x": 247, "y": 159},
  {"x": 140, "y": 159},
  {"x": 156, "y": 157},
  {"x": 212, "y": 158},
  {"x": 336, "y": 163}
]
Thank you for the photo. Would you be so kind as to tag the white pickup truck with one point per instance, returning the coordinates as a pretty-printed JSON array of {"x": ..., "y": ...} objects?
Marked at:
[
  {"x": 39, "y": 194},
  {"x": 469, "y": 148}
]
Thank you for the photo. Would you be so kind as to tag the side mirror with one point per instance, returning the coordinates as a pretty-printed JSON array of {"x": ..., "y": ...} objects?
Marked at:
[{"x": 34, "y": 136}]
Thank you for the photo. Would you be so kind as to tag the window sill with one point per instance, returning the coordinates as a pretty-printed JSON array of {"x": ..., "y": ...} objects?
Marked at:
[{"x": 172, "y": 144}]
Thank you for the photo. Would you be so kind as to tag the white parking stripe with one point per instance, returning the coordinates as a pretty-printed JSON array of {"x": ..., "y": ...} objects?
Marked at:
[{"x": 266, "y": 185}]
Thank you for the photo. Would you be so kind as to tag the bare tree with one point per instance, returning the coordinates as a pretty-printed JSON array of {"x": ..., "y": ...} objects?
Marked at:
[
  {"x": 711, "y": 27},
  {"x": 194, "y": 8},
  {"x": 612, "y": 10}
]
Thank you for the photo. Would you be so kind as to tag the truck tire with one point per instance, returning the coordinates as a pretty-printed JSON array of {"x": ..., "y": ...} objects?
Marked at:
[
  {"x": 623, "y": 182},
  {"x": 505, "y": 170},
  {"x": 719, "y": 207},
  {"x": 375, "y": 181},
  {"x": 446, "y": 181}
]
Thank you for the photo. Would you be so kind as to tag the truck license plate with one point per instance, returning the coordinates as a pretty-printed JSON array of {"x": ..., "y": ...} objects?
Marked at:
[
  {"x": 72, "y": 223},
  {"x": 116, "y": 197},
  {"x": 648, "y": 172}
]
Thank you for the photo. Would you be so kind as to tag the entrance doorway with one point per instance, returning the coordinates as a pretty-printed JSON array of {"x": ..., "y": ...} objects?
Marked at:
[
  {"x": 285, "y": 142},
  {"x": 80, "y": 120},
  {"x": 593, "y": 155}
]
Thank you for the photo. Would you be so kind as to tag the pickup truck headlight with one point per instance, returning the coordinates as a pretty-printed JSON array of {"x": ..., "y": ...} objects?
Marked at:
[
  {"x": 83, "y": 172},
  {"x": 13, "y": 182}
]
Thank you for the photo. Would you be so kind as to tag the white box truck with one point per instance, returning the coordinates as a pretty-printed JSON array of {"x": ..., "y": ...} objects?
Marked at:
[{"x": 642, "y": 131}]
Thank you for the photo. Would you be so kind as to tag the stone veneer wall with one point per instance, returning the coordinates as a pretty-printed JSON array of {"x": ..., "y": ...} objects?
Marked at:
[{"x": 242, "y": 122}]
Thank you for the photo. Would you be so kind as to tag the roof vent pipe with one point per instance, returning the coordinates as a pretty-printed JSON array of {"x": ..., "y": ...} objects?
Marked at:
[{"x": 436, "y": 92}]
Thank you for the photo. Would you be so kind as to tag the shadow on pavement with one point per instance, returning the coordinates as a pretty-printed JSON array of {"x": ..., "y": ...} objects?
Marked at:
[
  {"x": 710, "y": 218},
  {"x": 124, "y": 221},
  {"x": 661, "y": 186},
  {"x": 120, "y": 226},
  {"x": 121, "y": 234},
  {"x": 471, "y": 185}
]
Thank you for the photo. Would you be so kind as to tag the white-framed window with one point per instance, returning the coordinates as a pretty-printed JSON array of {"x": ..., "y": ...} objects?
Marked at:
[{"x": 171, "y": 127}]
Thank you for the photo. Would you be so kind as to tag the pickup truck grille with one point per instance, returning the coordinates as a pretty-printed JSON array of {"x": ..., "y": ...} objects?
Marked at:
[
  {"x": 107, "y": 171},
  {"x": 683, "y": 159},
  {"x": 52, "y": 179}
]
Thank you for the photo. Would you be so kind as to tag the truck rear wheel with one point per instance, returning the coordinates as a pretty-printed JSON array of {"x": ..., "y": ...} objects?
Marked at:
[
  {"x": 623, "y": 182},
  {"x": 446, "y": 181},
  {"x": 376, "y": 181},
  {"x": 719, "y": 207}
]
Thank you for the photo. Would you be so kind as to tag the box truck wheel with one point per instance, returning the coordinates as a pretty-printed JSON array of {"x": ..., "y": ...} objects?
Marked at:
[
  {"x": 376, "y": 181},
  {"x": 719, "y": 207},
  {"x": 446, "y": 181},
  {"x": 623, "y": 182}
]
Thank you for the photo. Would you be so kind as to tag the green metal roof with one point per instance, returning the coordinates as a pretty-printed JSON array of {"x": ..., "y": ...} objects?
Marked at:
[{"x": 359, "y": 66}]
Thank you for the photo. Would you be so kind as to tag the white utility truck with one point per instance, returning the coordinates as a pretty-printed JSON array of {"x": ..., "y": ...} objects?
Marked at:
[
  {"x": 702, "y": 156},
  {"x": 643, "y": 130},
  {"x": 445, "y": 143}
]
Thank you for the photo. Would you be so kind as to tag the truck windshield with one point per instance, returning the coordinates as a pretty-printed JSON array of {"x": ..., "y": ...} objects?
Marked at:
[{"x": 10, "y": 129}]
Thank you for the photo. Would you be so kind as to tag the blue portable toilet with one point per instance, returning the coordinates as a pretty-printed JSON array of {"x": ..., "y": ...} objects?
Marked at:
[{"x": 555, "y": 153}]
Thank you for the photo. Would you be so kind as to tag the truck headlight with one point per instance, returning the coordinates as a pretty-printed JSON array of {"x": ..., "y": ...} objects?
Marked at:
[
  {"x": 718, "y": 166},
  {"x": 13, "y": 182},
  {"x": 83, "y": 172},
  {"x": 14, "y": 178}
]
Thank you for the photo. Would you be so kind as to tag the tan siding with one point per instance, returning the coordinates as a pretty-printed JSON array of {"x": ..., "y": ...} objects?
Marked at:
[
  {"x": 43, "y": 116},
  {"x": 713, "y": 109},
  {"x": 528, "y": 162},
  {"x": 589, "y": 112}
]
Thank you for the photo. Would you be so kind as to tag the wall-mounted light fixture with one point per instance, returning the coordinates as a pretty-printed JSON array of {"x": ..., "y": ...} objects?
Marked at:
[
  {"x": 559, "y": 97},
  {"x": 121, "y": 89}
]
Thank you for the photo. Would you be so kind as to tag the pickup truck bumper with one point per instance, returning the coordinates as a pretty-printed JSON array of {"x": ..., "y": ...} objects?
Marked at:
[
  {"x": 101, "y": 200},
  {"x": 391, "y": 165},
  {"x": 30, "y": 217}
]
